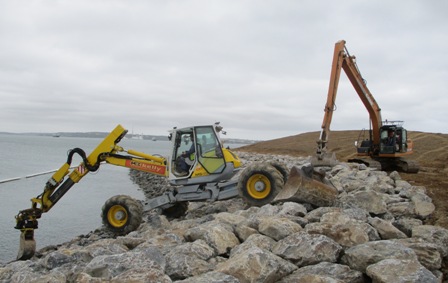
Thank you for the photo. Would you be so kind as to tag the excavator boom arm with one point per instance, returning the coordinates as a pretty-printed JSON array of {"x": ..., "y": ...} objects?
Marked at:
[
  {"x": 343, "y": 61},
  {"x": 58, "y": 185},
  {"x": 354, "y": 75}
]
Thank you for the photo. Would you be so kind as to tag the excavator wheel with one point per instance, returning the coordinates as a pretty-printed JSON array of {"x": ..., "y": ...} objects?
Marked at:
[
  {"x": 259, "y": 184},
  {"x": 122, "y": 214},
  {"x": 282, "y": 168}
]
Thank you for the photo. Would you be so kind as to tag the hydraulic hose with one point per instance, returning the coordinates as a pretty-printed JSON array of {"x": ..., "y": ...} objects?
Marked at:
[{"x": 91, "y": 168}]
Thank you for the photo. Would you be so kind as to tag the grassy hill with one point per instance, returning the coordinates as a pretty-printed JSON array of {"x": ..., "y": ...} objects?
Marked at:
[{"x": 430, "y": 151}]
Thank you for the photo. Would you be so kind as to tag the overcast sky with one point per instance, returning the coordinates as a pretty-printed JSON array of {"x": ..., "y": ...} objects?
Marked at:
[{"x": 261, "y": 68}]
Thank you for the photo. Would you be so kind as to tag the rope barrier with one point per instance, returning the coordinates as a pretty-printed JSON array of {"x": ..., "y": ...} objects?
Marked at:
[{"x": 29, "y": 176}]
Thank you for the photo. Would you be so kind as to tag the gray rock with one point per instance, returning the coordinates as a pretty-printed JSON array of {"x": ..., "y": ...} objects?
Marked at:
[
  {"x": 316, "y": 214},
  {"x": 304, "y": 249},
  {"x": 400, "y": 271},
  {"x": 395, "y": 176},
  {"x": 164, "y": 242},
  {"x": 433, "y": 234},
  {"x": 56, "y": 259},
  {"x": 344, "y": 229},
  {"x": 334, "y": 271},
  {"x": 18, "y": 269},
  {"x": 402, "y": 209},
  {"x": 427, "y": 253},
  {"x": 110, "y": 266},
  {"x": 256, "y": 265},
  {"x": 277, "y": 228},
  {"x": 423, "y": 206},
  {"x": 106, "y": 247},
  {"x": 141, "y": 274},
  {"x": 310, "y": 278},
  {"x": 229, "y": 218},
  {"x": 409, "y": 191},
  {"x": 243, "y": 232},
  {"x": 347, "y": 234},
  {"x": 386, "y": 229},
  {"x": 293, "y": 208},
  {"x": 212, "y": 276},
  {"x": 189, "y": 259},
  {"x": 357, "y": 214},
  {"x": 217, "y": 235},
  {"x": 406, "y": 224},
  {"x": 361, "y": 256},
  {"x": 370, "y": 201},
  {"x": 402, "y": 184},
  {"x": 255, "y": 240},
  {"x": 29, "y": 276}
]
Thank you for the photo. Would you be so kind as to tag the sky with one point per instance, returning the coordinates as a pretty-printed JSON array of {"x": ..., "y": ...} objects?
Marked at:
[{"x": 261, "y": 68}]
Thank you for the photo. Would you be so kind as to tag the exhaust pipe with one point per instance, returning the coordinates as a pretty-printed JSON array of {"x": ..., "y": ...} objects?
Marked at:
[{"x": 301, "y": 188}]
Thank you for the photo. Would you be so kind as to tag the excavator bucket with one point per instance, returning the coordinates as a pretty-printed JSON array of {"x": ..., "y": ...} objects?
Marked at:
[
  {"x": 27, "y": 246},
  {"x": 300, "y": 187},
  {"x": 324, "y": 159}
]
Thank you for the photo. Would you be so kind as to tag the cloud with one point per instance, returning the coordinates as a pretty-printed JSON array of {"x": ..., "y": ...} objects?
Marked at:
[{"x": 261, "y": 68}]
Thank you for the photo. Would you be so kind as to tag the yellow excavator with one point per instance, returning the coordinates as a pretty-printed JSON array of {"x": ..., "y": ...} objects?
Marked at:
[
  {"x": 388, "y": 142},
  {"x": 200, "y": 168}
]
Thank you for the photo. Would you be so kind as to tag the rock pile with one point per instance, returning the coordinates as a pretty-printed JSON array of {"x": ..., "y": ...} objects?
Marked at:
[{"x": 374, "y": 233}]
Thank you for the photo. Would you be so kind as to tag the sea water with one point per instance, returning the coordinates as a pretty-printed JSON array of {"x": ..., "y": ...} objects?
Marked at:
[{"x": 79, "y": 211}]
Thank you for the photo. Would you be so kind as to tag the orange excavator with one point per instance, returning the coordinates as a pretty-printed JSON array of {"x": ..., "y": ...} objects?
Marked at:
[{"x": 387, "y": 143}]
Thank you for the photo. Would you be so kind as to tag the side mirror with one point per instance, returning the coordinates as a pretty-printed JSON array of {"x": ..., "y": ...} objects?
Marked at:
[{"x": 356, "y": 143}]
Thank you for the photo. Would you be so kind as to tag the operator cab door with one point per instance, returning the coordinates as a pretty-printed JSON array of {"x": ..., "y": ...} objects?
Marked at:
[
  {"x": 388, "y": 140},
  {"x": 402, "y": 140},
  {"x": 206, "y": 158},
  {"x": 210, "y": 155},
  {"x": 183, "y": 142},
  {"x": 393, "y": 140}
]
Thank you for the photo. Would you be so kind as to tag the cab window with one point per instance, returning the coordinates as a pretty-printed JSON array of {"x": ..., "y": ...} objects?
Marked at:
[{"x": 209, "y": 150}]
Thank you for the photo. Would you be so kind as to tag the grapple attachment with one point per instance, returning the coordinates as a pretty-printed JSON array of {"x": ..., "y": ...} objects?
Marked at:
[
  {"x": 300, "y": 187},
  {"x": 27, "y": 246}
]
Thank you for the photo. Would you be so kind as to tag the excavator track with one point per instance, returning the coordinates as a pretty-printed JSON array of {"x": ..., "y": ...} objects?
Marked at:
[
  {"x": 399, "y": 164},
  {"x": 407, "y": 166}
]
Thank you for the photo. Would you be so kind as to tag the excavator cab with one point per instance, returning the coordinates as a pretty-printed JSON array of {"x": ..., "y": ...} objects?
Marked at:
[
  {"x": 393, "y": 140},
  {"x": 199, "y": 157}
]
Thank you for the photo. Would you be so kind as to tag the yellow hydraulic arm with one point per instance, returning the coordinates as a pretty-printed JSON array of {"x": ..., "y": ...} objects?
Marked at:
[
  {"x": 343, "y": 60},
  {"x": 58, "y": 184}
]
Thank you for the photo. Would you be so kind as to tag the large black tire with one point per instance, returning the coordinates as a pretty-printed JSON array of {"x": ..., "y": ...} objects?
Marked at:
[
  {"x": 259, "y": 184},
  {"x": 122, "y": 214},
  {"x": 282, "y": 168}
]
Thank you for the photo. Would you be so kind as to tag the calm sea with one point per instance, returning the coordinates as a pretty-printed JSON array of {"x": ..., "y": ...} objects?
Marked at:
[{"x": 78, "y": 212}]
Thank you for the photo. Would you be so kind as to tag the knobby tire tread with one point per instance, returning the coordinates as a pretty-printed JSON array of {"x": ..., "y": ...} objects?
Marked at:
[
  {"x": 134, "y": 209},
  {"x": 266, "y": 169}
]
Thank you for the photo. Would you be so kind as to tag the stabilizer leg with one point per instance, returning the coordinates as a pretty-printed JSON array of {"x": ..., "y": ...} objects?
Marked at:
[{"x": 27, "y": 246}]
